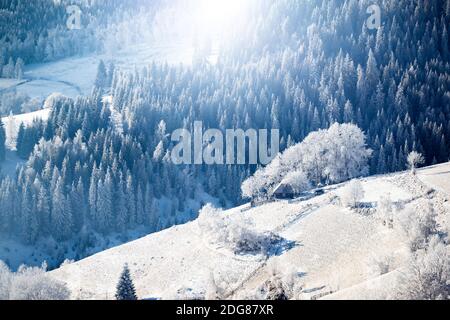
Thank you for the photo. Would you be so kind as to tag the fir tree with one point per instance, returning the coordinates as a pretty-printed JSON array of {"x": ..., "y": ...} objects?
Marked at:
[
  {"x": 2, "y": 141},
  {"x": 125, "y": 287},
  {"x": 101, "y": 80}
]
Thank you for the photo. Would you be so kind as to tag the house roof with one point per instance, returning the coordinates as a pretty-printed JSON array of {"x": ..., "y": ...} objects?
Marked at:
[{"x": 283, "y": 188}]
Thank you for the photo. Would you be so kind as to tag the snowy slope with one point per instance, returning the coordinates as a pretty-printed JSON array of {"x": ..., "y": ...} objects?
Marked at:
[
  {"x": 12, "y": 124},
  {"x": 437, "y": 177},
  {"x": 9, "y": 166},
  {"x": 6, "y": 84},
  {"x": 334, "y": 251},
  {"x": 76, "y": 75}
]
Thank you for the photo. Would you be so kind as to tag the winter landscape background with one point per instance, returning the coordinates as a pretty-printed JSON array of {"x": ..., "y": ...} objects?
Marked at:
[{"x": 93, "y": 207}]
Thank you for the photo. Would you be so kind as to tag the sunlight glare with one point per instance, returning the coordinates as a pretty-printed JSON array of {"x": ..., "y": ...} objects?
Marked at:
[{"x": 215, "y": 15}]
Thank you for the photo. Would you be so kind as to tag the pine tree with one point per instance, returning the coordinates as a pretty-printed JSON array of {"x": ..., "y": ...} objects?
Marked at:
[
  {"x": 62, "y": 220},
  {"x": 18, "y": 69},
  {"x": 372, "y": 73},
  {"x": 20, "y": 143},
  {"x": 130, "y": 202},
  {"x": 29, "y": 223},
  {"x": 102, "y": 77},
  {"x": 43, "y": 209},
  {"x": 140, "y": 209},
  {"x": 105, "y": 195},
  {"x": 2, "y": 141},
  {"x": 348, "y": 112},
  {"x": 125, "y": 287},
  {"x": 120, "y": 207}
]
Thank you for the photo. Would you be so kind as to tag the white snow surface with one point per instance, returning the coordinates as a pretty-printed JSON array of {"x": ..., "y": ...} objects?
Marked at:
[
  {"x": 333, "y": 251},
  {"x": 75, "y": 76},
  {"x": 12, "y": 124}
]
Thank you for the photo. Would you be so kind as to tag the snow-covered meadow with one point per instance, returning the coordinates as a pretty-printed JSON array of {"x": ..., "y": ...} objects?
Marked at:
[
  {"x": 76, "y": 75},
  {"x": 12, "y": 124},
  {"x": 335, "y": 250}
]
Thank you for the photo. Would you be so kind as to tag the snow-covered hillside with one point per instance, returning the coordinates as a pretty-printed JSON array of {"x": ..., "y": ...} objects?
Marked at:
[
  {"x": 76, "y": 75},
  {"x": 332, "y": 253},
  {"x": 12, "y": 124}
]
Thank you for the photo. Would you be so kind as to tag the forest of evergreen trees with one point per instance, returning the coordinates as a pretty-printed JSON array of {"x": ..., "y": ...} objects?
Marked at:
[
  {"x": 299, "y": 66},
  {"x": 36, "y": 31}
]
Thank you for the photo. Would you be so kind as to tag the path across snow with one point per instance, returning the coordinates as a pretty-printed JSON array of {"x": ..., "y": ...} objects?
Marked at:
[{"x": 334, "y": 252}]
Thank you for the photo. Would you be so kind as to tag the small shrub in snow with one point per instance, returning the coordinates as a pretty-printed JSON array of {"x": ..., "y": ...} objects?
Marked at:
[
  {"x": 380, "y": 265},
  {"x": 274, "y": 290},
  {"x": 30, "y": 283},
  {"x": 235, "y": 233},
  {"x": 5, "y": 281},
  {"x": 187, "y": 294},
  {"x": 428, "y": 274},
  {"x": 352, "y": 194},
  {"x": 214, "y": 291},
  {"x": 250, "y": 242},
  {"x": 419, "y": 225},
  {"x": 414, "y": 160},
  {"x": 385, "y": 210},
  {"x": 277, "y": 286},
  {"x": 212, "y": 224},
  {"x": 447, "y": 229}
]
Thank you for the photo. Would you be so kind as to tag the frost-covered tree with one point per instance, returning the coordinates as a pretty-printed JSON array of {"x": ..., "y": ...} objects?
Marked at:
[
  {"x": 2, "y": 141},
  {"x": 18, "y": 69},
  {"x": 158, "y": 154},
  {"x": 334, "y": 155},
  {"x": 298, "y": 181},
  {"x": 105, "y": 204},
  {"x": 347, "y": 153},
  {"x": 385, "y": 210},
  {"x": 427, "y": 274},
  {"x": 213, "y": 289},
  {"x": 30, "y": 283},
  {"x": 378, "y": 81},
  {"x": 415, "y": 159},
  {"x": 352, "y": 194},
  {"x": 121, "y": 208},
  {"x": 5, "y": 281},
  {"x": 419, "y": 225},
  {"x": 125, "y": 288},
  {"x": 61, "y": 214},
  {"x": 9, "y": 69},
  {"x": 101, "y": 79},
  {"x": 277, "y": 287}
]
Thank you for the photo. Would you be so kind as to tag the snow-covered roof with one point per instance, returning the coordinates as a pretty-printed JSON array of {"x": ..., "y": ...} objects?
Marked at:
[{"x": 283, "y": 188}]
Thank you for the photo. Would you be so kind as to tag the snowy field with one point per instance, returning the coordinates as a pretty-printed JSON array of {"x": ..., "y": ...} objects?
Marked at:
[
  {"x": 437, "y": 177},
  {"x": 75, "y": 76},
  {"x": 9, "y": 83},
  {"x": 41, "y": 89},
  {"x": 9, "y": 166},
  {"x": 334, "y": 251},
  {"x": 12, "y": 124}
]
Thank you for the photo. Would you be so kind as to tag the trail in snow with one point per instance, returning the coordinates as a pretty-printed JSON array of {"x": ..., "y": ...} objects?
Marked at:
[
  {"x": 335, "y": 251},
  {"x": 14, "y": 86},
  {"x": 64, "y": 82},
  {"x": 305, "y": 212}
]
